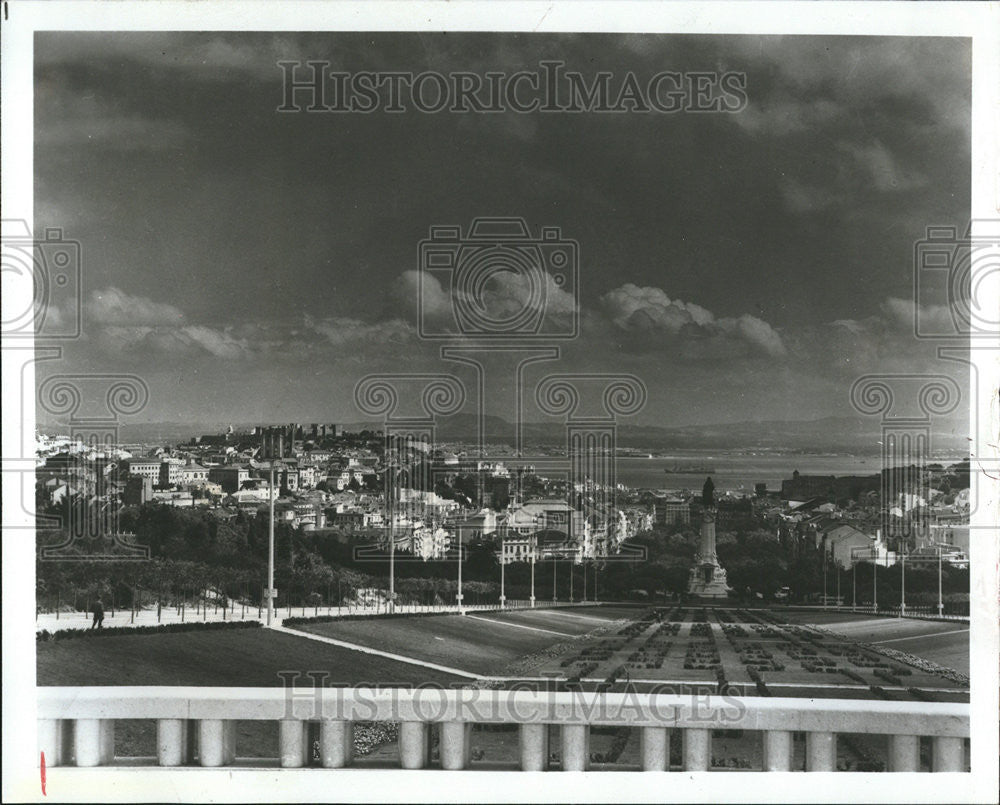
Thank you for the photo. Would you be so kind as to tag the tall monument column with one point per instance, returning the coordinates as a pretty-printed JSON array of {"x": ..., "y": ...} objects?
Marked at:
[{"x": 708, "y": 578}]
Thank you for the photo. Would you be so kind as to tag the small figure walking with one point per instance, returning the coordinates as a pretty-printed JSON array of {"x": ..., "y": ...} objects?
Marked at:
[{"x": 98, "y": 615}]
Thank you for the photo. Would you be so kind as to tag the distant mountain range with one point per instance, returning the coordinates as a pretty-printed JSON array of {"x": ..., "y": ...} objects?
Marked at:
[
  {"x": 830, "y": 434},
  {"x": 859, "y": 435}
]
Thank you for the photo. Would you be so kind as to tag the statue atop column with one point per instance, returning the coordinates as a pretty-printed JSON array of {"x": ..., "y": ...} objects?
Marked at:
[
  {"x": 707, "y": 578},
  {"x": 708, "y": 494}
]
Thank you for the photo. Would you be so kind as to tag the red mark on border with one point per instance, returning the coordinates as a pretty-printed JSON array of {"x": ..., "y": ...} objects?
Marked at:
[{"x": 42, "y": 767}]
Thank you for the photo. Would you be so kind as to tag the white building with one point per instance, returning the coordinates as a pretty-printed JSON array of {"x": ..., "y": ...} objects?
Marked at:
[
  {"x": 194, "y": 473},
  {"x": 262, "y": 494},
  {"x": 173, "y": 498},
  {"x": 171, "y": 471},
  {"x": 143, "y": 468}
]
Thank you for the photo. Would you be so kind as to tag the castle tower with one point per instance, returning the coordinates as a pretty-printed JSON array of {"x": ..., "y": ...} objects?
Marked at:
[{"x": 708, "y": 578}]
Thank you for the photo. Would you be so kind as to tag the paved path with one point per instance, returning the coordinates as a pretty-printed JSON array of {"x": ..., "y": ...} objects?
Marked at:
[
  {"x": 920, "y": 637},
  {"x": 576, "y": 614},
  {"x": 519, "y": 626},
  {"x": 387, "y": 654}
]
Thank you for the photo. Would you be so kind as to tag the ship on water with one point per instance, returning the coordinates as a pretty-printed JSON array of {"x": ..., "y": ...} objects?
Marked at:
[{"x": 689, "y": 469}]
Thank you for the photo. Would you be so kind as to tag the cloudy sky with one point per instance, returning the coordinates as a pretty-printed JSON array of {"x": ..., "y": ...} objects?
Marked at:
[{"x": 253, "y": 266}]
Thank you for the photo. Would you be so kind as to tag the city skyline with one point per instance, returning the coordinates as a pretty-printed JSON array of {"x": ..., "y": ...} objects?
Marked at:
[{"x": 745, "y": 266}]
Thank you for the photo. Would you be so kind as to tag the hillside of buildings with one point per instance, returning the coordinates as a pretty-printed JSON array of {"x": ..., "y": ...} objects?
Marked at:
[{"x": 345, "y": 503}]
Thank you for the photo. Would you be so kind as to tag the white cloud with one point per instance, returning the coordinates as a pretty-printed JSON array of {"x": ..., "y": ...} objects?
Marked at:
[
  {"x": 219, "y": 343},
  {"x": 208, "y": 57},
  {"x": 504, "y": 295},
  {"x": 882, "y": 169},
  {"x": 68, "y": 118},
  {"x": 175, "y": 341},
  {"x": 114, "y": 306},
  {"x": 648, "y": 311},
  {"x": 782, "y": 114},
  {"x": 801, "y": 197},
  {"x": 129, "y": 323},
  {"x": 846, "y": 73},
  {"x": 428, "y": 296},
  {"x": 648, "y": 308},
  {"x": 507, "y": 293},
  {"x": 850, "y": 168},
  {"x": 757, "y": 332},
  {"x": 340, "y": 331}
]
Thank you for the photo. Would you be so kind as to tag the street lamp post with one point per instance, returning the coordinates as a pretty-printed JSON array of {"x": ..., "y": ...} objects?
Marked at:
[
  {"x": 392, "y": 562},
  {"x": 902, "y": 584},
  {"x": 391, "y": 493},
  {"x": 875, "y": 585},
  {"x": 824, "y": 575},
  {"x": 555, "y": 570},
  {"x": 458, "y": 597},
  {"x": 503, "y": 597},
  {"x": 940, "y": 596},
  {"x": 534, "y": 546},
  {"x": 854, "y": 585},
  {"x": 270, "y": 548}
]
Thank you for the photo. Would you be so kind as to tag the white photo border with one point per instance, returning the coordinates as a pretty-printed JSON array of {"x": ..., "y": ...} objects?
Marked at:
[{"x": 22, "y": 18}]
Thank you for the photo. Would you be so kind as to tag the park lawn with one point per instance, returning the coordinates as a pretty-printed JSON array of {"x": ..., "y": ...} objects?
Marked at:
[
  {"x": 239, "y": 658},
  {"x": 477, "y": 644},
  {"x": 575, "y": 621},
  {"x": 944, "y": 642}
]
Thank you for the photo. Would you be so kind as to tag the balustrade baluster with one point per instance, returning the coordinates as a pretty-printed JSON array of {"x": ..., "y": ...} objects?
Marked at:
[
  {"x": 654, "y": 748},
  {"x": 534, "y": 745},
  {"x": 904, "y": 753},
  {"x": 172, "y": 741},
  {"x": 293, "y": 743},
  {"x": 697, "y": 749},
  {"x": 454, "y": 747},
  {"x": 94, "y": 740},
  {"x": 413, "y": 744},
  {"x": 52, "y": 741},
  {"x": 575, "y": 747},
  {"x": 821, "y": 751},
  {"x": 948, "y": 754},
  {"x": 336, "y": 743},
  {"x": 216, "y": 741},
  {"x": 777, "y": 750}
]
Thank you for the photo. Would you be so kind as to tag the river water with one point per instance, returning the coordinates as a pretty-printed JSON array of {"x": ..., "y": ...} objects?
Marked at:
[{"x": 736, "y": 471}]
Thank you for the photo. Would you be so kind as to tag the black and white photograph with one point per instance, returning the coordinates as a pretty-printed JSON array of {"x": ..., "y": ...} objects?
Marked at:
[{"x": 411, "y": 401}]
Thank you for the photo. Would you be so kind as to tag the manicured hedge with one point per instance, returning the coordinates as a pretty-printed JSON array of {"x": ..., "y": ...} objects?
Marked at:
[
  {"x": 116, "y": 631},
  {"x": 302, "y": 621},
  {"x": 298, "y": 621}
]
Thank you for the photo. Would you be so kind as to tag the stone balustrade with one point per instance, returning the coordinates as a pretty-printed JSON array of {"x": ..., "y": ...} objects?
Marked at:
[{"x": 196, "y": 726}]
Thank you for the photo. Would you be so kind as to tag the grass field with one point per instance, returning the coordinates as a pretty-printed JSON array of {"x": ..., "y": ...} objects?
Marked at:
[
  {"x": 241, "y": 658},
  {"x": 481, "y": 643},
  {"x": 944, "y": 642}
]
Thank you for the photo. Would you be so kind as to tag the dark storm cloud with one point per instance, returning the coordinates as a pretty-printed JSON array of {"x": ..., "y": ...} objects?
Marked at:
[{"x": 279, "y": 242}]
